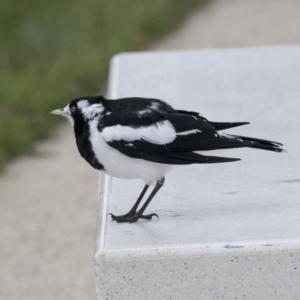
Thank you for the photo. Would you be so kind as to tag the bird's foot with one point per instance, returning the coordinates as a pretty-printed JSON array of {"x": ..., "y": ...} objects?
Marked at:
[{"x": 131, "y": 217}]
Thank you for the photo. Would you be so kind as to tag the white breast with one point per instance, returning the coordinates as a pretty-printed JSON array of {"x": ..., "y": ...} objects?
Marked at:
[{"x": 119, "y": 165}]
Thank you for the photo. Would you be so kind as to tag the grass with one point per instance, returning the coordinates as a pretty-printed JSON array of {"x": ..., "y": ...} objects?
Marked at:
[{"x": 54, "y": 51}]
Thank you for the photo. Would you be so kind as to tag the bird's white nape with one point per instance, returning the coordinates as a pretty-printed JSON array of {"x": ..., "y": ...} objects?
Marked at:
[
  {"x": 90, "y": 111},
  {"x": 83, "y": 103}
]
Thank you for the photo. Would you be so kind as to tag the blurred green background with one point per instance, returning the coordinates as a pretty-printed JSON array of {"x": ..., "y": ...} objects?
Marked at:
[{"x": 54, "y": 51}]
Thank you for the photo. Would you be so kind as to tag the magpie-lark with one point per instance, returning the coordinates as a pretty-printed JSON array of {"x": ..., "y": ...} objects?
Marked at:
[{"x": 143, "y": 138}]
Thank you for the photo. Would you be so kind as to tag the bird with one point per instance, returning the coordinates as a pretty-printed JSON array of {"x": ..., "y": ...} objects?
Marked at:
[{"x": 145, "y": 138}]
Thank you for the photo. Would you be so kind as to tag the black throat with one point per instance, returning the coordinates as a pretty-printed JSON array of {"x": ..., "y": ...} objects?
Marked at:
[{"x": 82, "y": 134}]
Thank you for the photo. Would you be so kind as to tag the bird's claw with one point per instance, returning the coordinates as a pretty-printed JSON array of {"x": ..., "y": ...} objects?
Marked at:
[{"x": 131, "y": 218}]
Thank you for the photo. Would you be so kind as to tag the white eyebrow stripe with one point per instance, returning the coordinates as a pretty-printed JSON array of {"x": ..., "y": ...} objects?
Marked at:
[
  {"x": 159, "y": 133},
  {"x": 82, "y": 103},
  {"x": 188, "y": 132}
]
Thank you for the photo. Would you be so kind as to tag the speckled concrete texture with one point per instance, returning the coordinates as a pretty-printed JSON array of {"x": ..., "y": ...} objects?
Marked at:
[
  {"x": 221, "y": 273},
  {"x": 48, "y": 202}
]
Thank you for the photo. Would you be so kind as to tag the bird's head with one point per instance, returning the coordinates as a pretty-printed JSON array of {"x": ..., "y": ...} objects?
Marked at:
[{"x": 86, "y": 108}]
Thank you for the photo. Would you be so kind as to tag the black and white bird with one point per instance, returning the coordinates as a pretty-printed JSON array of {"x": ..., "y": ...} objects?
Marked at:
[{"x": 143, "y": 138}]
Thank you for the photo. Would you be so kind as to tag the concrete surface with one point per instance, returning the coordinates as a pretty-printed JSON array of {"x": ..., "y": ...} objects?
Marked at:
[
  {"x": 211, "y": 210},
  {"x": 48, "y": 211},
  {"x": 272, "y": 274}
]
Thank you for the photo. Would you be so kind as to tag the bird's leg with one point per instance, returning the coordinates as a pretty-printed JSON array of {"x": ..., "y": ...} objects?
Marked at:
[
  {"x": 139, "y": 214},
  {"x": 133, "y": 210}
]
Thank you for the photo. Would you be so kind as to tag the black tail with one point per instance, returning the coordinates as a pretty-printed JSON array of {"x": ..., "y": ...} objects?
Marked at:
[
  {"x": 226, "y": 125},
  {"x": 216, "y": 125},
  {"x": 260, "y": 144}
]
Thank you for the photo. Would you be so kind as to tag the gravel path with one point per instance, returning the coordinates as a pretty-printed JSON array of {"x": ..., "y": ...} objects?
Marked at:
[{"x": 48, "y": 202}]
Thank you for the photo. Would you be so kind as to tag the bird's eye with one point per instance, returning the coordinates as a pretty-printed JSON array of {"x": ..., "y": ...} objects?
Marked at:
[{"x": 73, "y": 109}]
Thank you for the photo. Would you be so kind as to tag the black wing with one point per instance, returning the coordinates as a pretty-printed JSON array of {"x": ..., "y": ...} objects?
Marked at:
[
  {"x": 153, "y": 131},
  {"x": 162, "y": 154},
  {"x": 134, "y": 112}
]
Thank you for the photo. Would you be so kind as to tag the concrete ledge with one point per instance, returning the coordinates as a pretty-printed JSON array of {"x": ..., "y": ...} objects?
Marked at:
[
  {"x": 262, "y": 271},
  {"x": 226, "y": 231}
]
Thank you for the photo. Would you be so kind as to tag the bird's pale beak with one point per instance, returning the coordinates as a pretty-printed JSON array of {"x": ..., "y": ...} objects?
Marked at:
[{"x": 60, "y": 112}]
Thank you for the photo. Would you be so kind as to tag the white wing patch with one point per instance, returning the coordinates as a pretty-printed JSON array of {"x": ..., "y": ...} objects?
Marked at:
[
  {"x": 159, "y": 133},
  {"x": 149, "y": 109},
  {"x": 155, "y": 106},
  {"x": 188, "y": 132},
  {"x": 230, "y": 137},
  {"x": 225, "y": 135}
]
